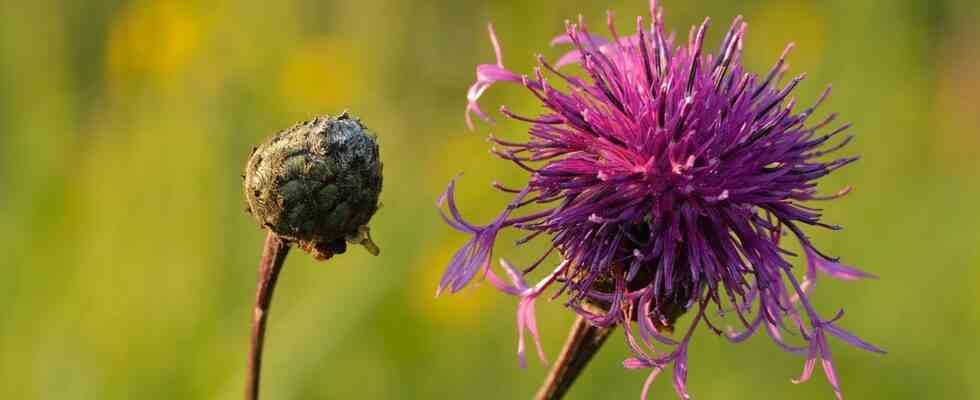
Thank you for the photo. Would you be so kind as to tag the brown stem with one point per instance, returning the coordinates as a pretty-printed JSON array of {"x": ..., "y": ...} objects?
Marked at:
[
  {"x": 584, "y": 341},
  {"x": 273, "y": 257}
]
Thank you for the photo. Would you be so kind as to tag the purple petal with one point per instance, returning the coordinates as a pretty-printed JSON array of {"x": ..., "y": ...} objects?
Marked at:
[
  {"x": 503, "y": 286},
  {"x": 637, "y": 363},
  {"x": 811, "y": 360},
  {"x": 526, "y": 320},
  {"x": 834, "y": 269},
  {"x": 516, "y": 277},
  {"x": 491, "y": 73},
  {"x": 851, "y": 339},
  {"x": 827, "y": 361},
  {"x": 486, "y": 76},
  {"x": 566, "y": 39},
  {"x": 680, "y": 375},
  {"x": 738, "y": 337},
  {"x": 773, "y": 331},
  {"x": 448, "y": 198},
  {"x": 648, "y": 383},
  {"x": 571, "y": 57}
]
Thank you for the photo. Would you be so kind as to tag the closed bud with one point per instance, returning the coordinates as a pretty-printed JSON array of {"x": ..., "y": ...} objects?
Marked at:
[{"x": 317, "y": 184}]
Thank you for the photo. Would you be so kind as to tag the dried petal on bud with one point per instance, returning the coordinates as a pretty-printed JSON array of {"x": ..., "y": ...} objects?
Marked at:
[{"x": 317, "y": 184}]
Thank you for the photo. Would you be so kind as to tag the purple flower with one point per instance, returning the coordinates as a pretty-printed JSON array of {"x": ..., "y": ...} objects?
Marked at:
[{"x": 665, "y": 178}]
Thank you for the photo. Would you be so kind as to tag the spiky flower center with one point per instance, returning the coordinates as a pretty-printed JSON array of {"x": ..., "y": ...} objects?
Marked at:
[{"x": 668, "y": 178}]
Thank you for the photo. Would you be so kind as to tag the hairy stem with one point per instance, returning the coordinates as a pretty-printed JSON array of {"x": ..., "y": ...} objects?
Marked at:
[
  {"x": 584, "y": 341},
  {"x": 273, "y": 257}
]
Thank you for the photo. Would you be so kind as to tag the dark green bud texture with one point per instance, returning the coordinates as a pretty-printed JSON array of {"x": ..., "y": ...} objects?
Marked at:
[{"x": 317, "y": 184}]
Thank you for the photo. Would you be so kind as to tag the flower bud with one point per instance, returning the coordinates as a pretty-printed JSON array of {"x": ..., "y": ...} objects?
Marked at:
[{"x": 317, "y": 184}]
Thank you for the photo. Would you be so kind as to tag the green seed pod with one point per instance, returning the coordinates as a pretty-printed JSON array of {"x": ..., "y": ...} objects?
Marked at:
[{"x": 317, "y": 184}]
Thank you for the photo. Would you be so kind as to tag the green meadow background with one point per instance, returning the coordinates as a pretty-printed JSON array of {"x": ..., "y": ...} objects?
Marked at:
[{"x": 128, "y": 264}]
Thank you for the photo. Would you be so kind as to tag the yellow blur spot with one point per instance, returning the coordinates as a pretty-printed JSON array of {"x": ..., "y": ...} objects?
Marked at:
[
  {"x": 155, "y": 39},
  {"x": 319, "y": 73},
  {"x": 779, "y": 23},
  {"x": 464, "y": 308},
  {"x": 957, "y": 96}
]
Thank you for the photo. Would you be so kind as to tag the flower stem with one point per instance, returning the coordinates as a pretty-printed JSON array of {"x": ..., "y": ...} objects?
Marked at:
[
  {"x": 273, "y": 257},
  {"x": 584, "y": 341}
]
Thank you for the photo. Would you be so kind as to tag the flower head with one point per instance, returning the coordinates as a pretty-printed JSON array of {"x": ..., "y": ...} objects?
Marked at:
[{"x": 667, "y": 177}]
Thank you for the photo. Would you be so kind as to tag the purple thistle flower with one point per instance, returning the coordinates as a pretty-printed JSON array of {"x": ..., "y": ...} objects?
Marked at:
[{"x": 667, "y": 178}]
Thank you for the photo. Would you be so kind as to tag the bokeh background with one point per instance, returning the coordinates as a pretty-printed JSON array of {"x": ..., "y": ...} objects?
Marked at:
[{"x": 128, "y": 265}]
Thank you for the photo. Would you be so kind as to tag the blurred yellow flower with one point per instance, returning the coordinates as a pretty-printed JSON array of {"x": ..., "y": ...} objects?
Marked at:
[
  {"x": 958, "y": 93},
  {"x": 154, "y": 39}
]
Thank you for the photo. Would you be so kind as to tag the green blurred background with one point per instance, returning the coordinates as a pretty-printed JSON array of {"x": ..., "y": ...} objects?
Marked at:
[{"x": 129, "y": 264}]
